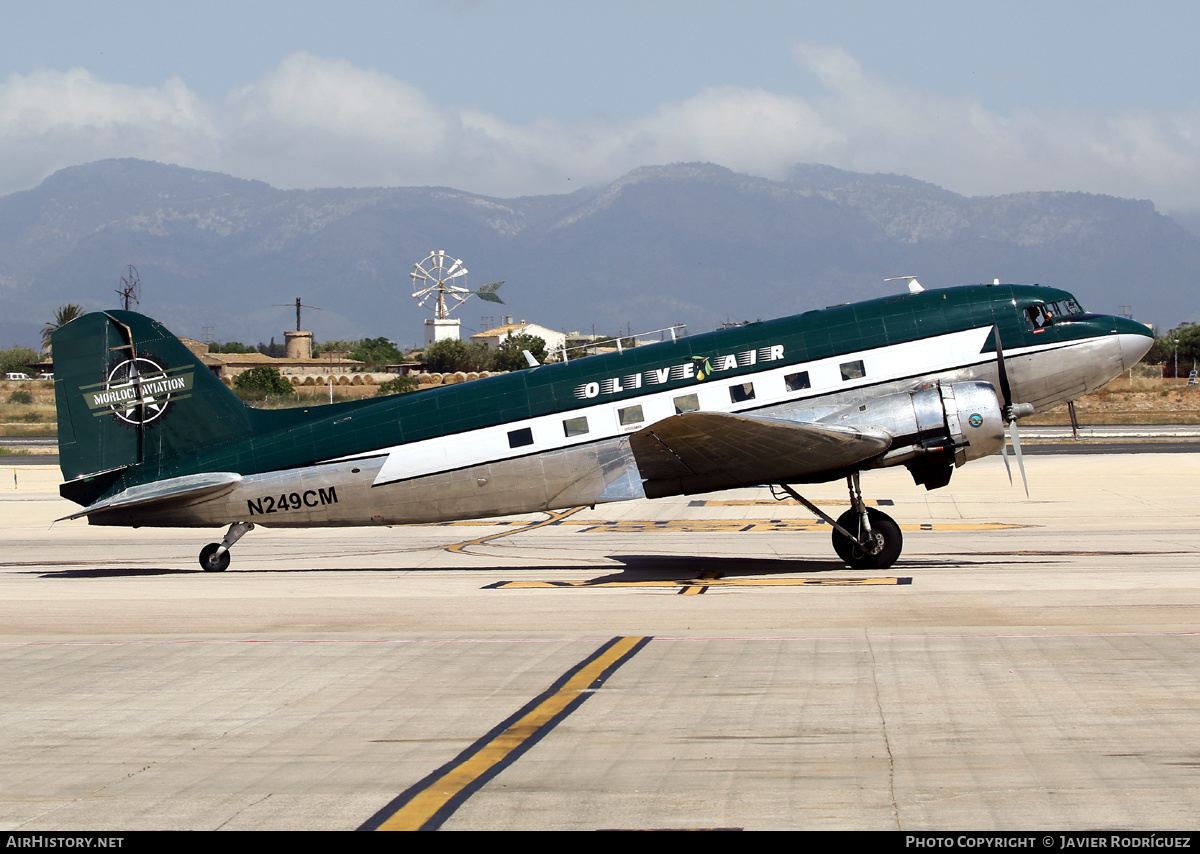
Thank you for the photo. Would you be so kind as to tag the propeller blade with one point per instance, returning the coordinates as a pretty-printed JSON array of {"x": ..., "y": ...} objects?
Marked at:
[
  {"x": 1005, "y": 388},
  {"x": 1004, "y": 456},
  {"x": 1016, "y": 443}
]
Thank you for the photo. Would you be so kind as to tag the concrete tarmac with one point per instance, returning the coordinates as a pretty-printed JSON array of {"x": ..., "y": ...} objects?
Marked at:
[{"x": 1027, "y": 664}]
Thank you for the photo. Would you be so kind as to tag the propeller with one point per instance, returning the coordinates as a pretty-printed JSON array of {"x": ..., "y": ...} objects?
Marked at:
[{"x": 1010, "y": 412}]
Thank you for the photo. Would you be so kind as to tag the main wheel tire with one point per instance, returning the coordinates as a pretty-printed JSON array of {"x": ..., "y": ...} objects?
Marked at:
[
  {"x": 886, "y": 533},
  {"x": 210, "y": 561}
]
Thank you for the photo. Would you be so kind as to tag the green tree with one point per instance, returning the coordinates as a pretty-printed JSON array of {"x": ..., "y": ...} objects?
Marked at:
[
  {"x": 451, "y": 354},
  {"x": 262, "y": 381},
  {"x": 509, "y": 356},
  {"x": 231, "y": 347},
  {"x": 63, "y": 315},
  {"x": 275, "y": 351},
  {"x": 376, "y": 352},
  {"x": 18, "y": 359},
  {"x": 1188, "y": 335},
  {"x": 396, "y": 386}
]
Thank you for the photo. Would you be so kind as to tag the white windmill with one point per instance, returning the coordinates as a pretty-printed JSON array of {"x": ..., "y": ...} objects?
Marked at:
[{"x": 443, "y": 278}]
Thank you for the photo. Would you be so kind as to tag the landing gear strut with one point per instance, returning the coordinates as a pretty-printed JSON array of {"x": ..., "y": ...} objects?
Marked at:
[
  {"x": 215, "y": 556},
  {"x": 863, "y": 537}
]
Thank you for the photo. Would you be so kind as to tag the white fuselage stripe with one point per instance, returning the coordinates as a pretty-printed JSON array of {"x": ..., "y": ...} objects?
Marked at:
[{"x": 881, "y": 364}]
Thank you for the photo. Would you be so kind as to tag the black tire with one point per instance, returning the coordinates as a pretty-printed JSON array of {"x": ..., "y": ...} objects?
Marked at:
[
  {"x": 882, "y": 527},
  {"x": 210, "y": 561}
]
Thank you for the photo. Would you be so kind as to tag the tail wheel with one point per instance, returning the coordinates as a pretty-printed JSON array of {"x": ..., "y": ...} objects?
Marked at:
[
  {"x": 881, "y": 554},
  {"x": 210, "y": 561}
]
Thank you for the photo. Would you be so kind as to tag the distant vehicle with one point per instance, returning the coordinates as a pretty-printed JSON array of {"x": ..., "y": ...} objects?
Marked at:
[
  {"x": 16, "y": 375},
  {"x": 148, "y": 436},
  {"x": 46, "y": 376}
]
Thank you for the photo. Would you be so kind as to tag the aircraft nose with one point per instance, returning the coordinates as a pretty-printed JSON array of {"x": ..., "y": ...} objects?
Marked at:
[{"x": 1133, "y": 347}]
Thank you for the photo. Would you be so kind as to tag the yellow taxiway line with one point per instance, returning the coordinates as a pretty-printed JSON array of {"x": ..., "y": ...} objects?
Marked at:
[
  {"x": 697, "y": 585},
  {"x": 694, "y": 526},
  {"x": 428, "y": 804}
]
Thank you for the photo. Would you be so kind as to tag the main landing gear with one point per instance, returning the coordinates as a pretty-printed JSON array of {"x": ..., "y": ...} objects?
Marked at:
[
  {"x": 863, "y": 537},
  {"x": 215, "y": 556}
]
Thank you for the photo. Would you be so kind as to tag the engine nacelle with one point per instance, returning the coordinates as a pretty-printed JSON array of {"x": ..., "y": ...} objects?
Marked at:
[{"x": 934, "y": 428}]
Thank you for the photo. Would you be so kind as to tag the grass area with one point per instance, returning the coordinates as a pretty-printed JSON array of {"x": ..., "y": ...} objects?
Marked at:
[
  {"x": 1147, "y": 400},
  {"x": 33, "y": 418},
  {"x": 13, "y": 452}
]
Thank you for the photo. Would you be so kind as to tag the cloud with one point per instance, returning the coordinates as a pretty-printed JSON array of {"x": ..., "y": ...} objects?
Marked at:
[{"x": 314, "y": 122}]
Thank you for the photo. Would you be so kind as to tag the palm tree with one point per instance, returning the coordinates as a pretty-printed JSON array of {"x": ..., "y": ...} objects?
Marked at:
[{"x": 62, "y": 316}]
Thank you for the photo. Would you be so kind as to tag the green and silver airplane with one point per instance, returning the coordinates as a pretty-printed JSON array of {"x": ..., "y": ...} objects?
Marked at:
[{"x": 148, "y": 436}]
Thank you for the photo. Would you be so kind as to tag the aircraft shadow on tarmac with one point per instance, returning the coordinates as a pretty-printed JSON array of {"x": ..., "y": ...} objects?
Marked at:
[
  {"x": 635, "y": 567},
  {"x": 113, "y": 572}
]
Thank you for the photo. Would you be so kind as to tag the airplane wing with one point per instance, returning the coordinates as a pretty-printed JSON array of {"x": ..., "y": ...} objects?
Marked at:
[
  {"x": 164, "y": 493},
  {"x": 706, "y": 451}
]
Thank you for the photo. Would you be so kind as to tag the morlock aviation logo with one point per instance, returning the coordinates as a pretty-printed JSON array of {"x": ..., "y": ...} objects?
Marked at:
[{"x": 138, "y": 390}]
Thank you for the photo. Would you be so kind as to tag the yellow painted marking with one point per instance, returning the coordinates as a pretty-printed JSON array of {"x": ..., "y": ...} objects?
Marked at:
[
  {"x": 687, "y": 526},
  {"x": 705, "y": 579},
  {"x": 702, "y": 582},
  {"x": 771, "y": 502},
  {"x": 676, "y": 526},
  {"x": 457, "y": 779},
  {"x": 555, "y": 517}
]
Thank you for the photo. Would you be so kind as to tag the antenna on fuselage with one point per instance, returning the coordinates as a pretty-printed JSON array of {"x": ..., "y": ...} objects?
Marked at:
[{"x": 914, "y": 287}]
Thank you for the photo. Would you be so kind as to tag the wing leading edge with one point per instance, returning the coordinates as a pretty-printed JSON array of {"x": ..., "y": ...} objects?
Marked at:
[{"x": 707, "y": 451}]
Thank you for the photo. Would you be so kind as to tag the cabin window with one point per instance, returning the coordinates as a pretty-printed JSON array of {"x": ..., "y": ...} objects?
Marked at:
[
  {"x": 741, "y": 392},
  {"x": 853, "y": 370},
  {"x": 630, "y": 415},
  {"x": 797, "y": 382},
  {"x": 575, "y": 426},
  {"x": 520, "y": 438},
  {"x": 687, "y": 403}
]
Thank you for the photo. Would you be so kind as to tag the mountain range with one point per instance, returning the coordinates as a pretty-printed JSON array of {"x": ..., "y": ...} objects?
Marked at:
[{"x": 686, "y": 243}]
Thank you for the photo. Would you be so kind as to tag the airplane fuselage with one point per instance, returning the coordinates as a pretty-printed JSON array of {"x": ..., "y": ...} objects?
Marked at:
[{"x": 559, "y": 435}]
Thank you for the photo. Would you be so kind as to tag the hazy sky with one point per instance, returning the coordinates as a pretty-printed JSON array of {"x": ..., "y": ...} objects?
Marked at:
[{"x": 511, "y": 98}]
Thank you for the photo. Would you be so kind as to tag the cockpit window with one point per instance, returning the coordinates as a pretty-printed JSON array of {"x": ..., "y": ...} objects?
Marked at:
[
  {"x": 1038, "y": 317},
  {"x": 1065, "y": 308}
]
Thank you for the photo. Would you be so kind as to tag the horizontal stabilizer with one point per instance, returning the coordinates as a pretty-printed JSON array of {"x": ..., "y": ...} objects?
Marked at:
[
  {"x": 170, "y": 492},
  {"x": 706, "y": 451}
]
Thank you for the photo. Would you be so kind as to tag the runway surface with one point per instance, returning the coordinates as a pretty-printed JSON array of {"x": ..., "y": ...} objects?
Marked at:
[{"x": 700, "y": 662}]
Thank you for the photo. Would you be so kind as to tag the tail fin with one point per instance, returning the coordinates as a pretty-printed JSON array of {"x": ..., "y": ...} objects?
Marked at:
[{"x": 129, "y": 392}]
